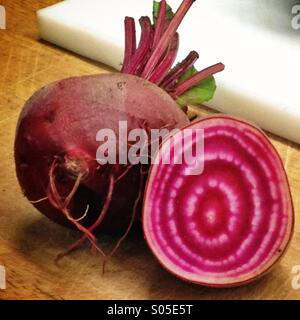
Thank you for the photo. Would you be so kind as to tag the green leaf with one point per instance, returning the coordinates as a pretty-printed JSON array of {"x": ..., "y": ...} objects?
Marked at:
[
  {"x": 203, "y": 92},
  {"x": 156, "y": 8},
  {"x": 189, "y": 72}
]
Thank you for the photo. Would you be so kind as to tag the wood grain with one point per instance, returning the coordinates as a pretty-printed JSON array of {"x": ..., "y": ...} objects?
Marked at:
[{"x": 29, "y": 242}]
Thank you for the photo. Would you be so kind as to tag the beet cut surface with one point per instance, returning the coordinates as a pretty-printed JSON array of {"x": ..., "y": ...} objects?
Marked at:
[{"x": 229, "y": 225}]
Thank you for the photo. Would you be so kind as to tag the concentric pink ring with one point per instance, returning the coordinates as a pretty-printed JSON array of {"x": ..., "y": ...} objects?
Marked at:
[{"x": 228, "y": 225}]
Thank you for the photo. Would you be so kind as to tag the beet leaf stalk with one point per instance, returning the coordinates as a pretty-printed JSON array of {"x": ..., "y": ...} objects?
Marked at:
[
  {"x": 130, "y": 42},
  {"x": 171, "y": 79},
  {"x": 157, "y": 52}
]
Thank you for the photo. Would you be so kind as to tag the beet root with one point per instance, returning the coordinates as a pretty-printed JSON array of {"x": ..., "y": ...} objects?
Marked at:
[
  {"x": 229, "y": 225},
  {"x": 55, "y": 148}
]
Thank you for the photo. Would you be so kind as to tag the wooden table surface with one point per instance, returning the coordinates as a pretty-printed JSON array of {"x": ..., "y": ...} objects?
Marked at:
[{"x": 29, "y": 242}]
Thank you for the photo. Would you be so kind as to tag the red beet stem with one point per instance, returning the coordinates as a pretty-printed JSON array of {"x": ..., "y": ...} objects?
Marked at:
[
  {"x": 179, "y": 70},
  {"x": 167, "y": 37},
  {"x": 130, "y": 42},
  {"x": 144, "y": 45},
  {"x": 196, "y": 79},
  {"x": 163, "y": 68},
  {"x": 160, "y": 24}
]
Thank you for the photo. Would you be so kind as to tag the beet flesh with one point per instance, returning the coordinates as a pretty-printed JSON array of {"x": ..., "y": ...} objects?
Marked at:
[
  {"x": 229, "y": 225},
  {"x": 58, "y": 125}
]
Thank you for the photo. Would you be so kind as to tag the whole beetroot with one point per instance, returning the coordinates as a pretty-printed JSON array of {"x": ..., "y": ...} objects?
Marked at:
[{"x": 56, "y": 147}]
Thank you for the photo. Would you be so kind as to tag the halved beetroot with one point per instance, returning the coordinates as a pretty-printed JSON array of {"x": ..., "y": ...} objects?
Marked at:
[{"x": 229, "y": 225}]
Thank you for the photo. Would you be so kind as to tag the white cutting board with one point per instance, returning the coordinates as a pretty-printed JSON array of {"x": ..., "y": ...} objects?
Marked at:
[{"x": 253, "y": 38}]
